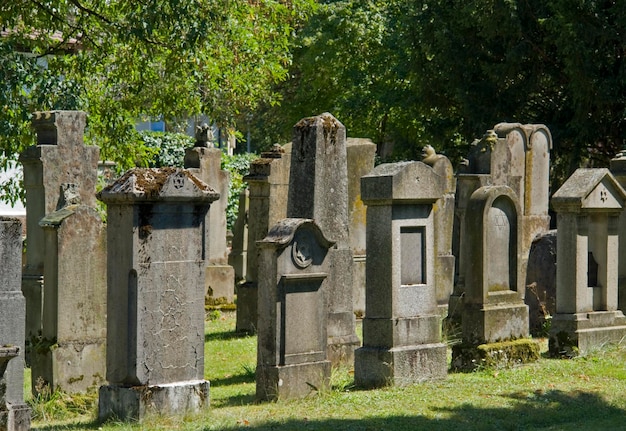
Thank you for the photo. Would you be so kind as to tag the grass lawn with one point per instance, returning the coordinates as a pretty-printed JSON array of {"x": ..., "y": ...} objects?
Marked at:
[{"x": 578, "y": 394}]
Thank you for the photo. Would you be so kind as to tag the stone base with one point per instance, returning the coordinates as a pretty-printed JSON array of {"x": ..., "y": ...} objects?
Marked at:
[
  {"x": 494, "y": 355},
  {"x": 72, "y": 367},
  {"x": 399, "y": 366},
  {"x": 493, "y": 323},
  {"x": 247, "y": 302},
  {"x": 16, "y": 417},
  {"x": 219, "y": 283},
  {"x": 135, "y": 403},
  {"x": 291, "y": 381},
  {"x": 578, "y": 334}
]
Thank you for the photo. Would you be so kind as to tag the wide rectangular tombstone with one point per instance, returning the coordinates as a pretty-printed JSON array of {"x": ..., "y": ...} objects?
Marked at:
[
  {"x": 402, "y": 327},
  {"x": 156, "y": 265},
  {"x": 291, "y": 353}
]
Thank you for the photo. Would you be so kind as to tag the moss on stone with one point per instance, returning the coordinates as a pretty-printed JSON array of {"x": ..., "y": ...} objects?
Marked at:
[{"x": 494, "y": 355}]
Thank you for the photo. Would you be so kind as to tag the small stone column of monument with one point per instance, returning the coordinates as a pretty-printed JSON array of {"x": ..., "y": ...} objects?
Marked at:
[
  {"x": 156, "y": 263},
  {"x": 588, "y": 207},
  {"x": 204, "y": 161},
  {"x": 402, "y": 325},
  {"x": 294, "y": 266},
  {"x": 618, "y": 169},
  {"x": 65, "y": 254},
  {"x": 14, "y": 412},
  {"x": 238, "y": 256},
  {"x": 268, "y": 185},
  {"x": 495, "y": 319},
  {"x": 318, "y": 190}
]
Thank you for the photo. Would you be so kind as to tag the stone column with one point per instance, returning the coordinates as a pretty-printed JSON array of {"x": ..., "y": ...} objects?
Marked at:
[
  {"x": 318, "y": 190},
  {"x": 156, "y": 265},
  {"x": 402, "y": 326},
  {"x": 618, "y": 169},
  {"x": 238, "y": 256},
  {"x": 14, "y": 412}
]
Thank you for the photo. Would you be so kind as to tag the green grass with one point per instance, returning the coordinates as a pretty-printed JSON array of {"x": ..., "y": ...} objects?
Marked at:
[{"x": 578, "y": 394}]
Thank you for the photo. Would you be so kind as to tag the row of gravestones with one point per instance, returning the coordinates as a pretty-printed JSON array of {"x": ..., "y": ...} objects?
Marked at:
[{"x": 303, "y": 274}]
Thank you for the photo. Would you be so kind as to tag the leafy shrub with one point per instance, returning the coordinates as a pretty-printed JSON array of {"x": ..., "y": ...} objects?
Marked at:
[
  {"x": 166, "y": 149},
  {"x": 238, "y": 165}
]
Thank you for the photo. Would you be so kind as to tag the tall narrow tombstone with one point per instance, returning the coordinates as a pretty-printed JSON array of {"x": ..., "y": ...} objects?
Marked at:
[
  {"x": 588, "y": 207},
  {"x": 318, "y": 189},
  {"x": 205, "y": 162},
  {"x": 360, "y": 158},
  {"x": 71, "y": 354},
  {"x": 444, "y": 228},
  {"x": 494, "y": 312},
  {"x": 618, "y": 169},
  {"x": 238, "y": 256},
  {"x": 291, "y": 353},
  {"x": 156, "y": 265},
  {"x": 14, "y": 412},
  {"x": 402, "y": 326},
  {"x": 268, "y": 184},
  {"x": 59, "y": 157}
]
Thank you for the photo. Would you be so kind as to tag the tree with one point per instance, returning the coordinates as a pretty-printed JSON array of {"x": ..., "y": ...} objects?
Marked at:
[
  {"x": 121, "y": 59},
  {"x": 441, "y": 72}
]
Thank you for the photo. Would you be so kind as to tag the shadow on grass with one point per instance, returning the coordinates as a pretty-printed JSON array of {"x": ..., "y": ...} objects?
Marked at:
[
  {"x": 553, "y": 410},
  {"x": 227, "y": 335},
  {"x": 236, "y": 379},
  {"x": 87, "y": 425}
]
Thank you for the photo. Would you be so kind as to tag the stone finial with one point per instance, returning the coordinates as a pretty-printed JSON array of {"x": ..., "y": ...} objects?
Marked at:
[
  {"x": 204, "y": 136},
  {"x": 430, "y": 156}
]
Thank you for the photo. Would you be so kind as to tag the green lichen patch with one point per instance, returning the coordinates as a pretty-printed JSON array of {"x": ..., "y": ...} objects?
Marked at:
[{"x": 503, "y": 354}]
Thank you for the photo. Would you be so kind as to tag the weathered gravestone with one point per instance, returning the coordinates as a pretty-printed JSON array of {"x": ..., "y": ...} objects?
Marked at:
[
  {"x": 268, "y": 185},
  {"x": 205, "y": 163},
  {"x": 14, "y": 412},
  {"x": 588, "y": 207},
  {"x": 318, "y": 190},
  {"x": 59, "y": 157},
  {"x": 294, "y": 263},
  {"x": 238, "y": 256},
  {"x": 495, "y": 317},
  {"x": 618, "y": 169},
  {"x": 402, "y": 326},
  {"x": 360, "y": 155},
  {"x": 444, "y": 228},
  {"x": 541, "y": 283},
  {"x": 65, "y": 255},
  {"x": 156, "y": 264},
  {"x": 513, "y": 155}
]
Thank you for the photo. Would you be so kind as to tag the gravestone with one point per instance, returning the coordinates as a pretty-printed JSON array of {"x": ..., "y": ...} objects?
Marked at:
[
  {"x": 513, "y": 155},
  {"x": 402, "y": 326},
  {"x": 294, "y": 265},
  {"x": 541, "y": 283},
  {"x": 14, "y": 412},
  {"x": 360, "y": 154},
  {"x": 444, "y": 228},
  {"x": 205, "y": 163},
  {"x": 618, "y": 169},
  {"x": 238, "y": 256},
  {"x": 495, "y": 317},
  {"x": 268, "y": 185},
  {"x": 156, "y": 263},
  {"x": 59, "y": 157},
  {"x": 588, "y": 207},
  {"x": 318, "y": 190}
]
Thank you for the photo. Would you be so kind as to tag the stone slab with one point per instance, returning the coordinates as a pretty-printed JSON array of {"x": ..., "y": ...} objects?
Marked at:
[{"x": 292, "y": 381}]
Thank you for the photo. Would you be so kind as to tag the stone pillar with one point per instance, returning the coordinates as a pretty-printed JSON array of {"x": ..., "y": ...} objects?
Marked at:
[
  {"x": 268, "y": 184},
  {"x": 238, "y": 256},
  {"x": 318, "y": 189},
  {"x": 294, "y": 269},
  {"x": 402, "y": 326},
  {"x": 588, "y": 207},
  {"x": 360, "y": 158},
  {"x": 14, "y": 412},
  {"x": 618, "y": 169},
  {"x": 156, "y": 265},
  {"x": 60, "y": 157},
  {"x": 205, "y": 163},
  {"x": 495, "y": 317},
  {"x": 71, "y": 354}
]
